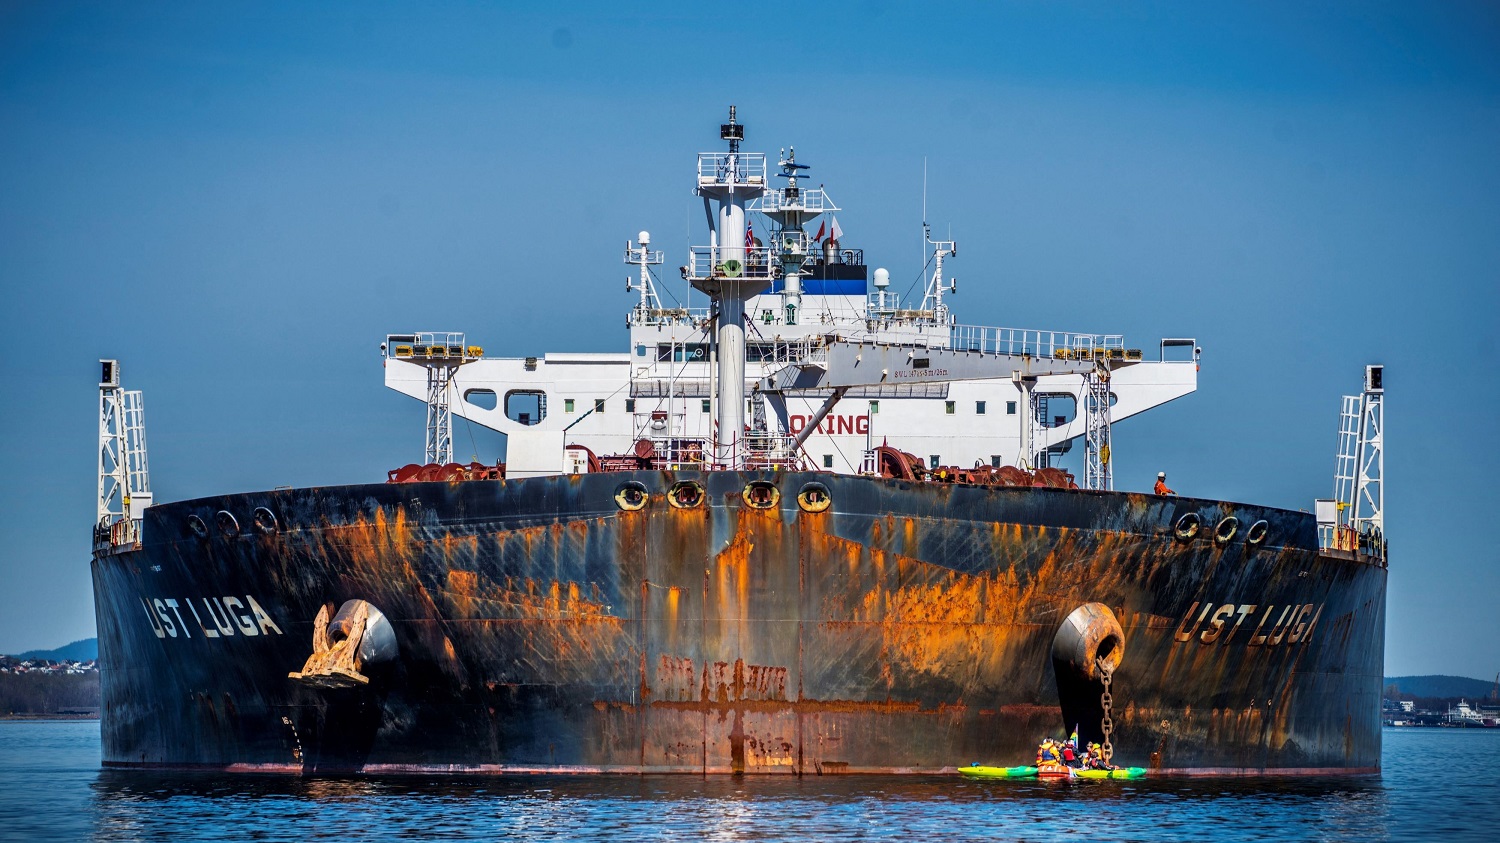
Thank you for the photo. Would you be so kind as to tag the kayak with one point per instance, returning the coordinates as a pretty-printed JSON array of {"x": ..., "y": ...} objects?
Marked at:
[
  {"x": 1122, "y": 773},
  {"x": 979, "y": 772}
]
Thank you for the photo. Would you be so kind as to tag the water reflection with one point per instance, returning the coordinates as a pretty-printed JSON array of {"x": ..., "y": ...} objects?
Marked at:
[
  {"x": 51, "y": 789},
  {"x": 210, "y": 807}
]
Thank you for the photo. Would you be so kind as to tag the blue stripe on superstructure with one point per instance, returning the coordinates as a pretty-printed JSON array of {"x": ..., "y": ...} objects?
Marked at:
[{"x": 830, "y": 287}]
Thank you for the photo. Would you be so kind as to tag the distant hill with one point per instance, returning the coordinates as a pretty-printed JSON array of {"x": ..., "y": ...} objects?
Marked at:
[
  {"x": 78, "y": 651},
  {"x": 1442, "y": 686}
]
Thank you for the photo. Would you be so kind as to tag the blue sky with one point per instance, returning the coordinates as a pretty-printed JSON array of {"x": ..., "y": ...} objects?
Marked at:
[{"x": 240, "y": 200}]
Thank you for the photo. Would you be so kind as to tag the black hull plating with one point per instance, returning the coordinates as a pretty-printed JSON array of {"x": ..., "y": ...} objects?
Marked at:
[{"x": 908, "y": 628}]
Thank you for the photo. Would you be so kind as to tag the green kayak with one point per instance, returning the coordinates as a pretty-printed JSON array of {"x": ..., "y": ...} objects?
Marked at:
[
  {"x": 978, "y": 772},
  {"x": 1122, "y": 773}
]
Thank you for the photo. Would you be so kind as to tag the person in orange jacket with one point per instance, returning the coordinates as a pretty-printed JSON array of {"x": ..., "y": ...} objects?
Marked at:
[{"x": 1161, "y": 484}]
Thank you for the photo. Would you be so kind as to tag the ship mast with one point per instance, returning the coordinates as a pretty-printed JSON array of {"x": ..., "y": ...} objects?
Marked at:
[{"x": 730, "y": 271}]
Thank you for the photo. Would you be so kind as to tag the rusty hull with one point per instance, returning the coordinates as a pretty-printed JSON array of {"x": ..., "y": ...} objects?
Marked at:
[{"x": 907, "y": 629}]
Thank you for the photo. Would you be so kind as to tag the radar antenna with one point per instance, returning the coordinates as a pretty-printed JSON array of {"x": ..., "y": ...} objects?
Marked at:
[{"x": 642, "y": 256}]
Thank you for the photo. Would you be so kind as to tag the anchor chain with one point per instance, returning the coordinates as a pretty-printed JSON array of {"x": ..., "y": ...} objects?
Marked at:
[{"x": 1106, "y": 725}]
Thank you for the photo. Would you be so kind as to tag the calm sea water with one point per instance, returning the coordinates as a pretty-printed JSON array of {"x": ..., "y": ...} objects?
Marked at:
[{"x": 1438, "y": 784}]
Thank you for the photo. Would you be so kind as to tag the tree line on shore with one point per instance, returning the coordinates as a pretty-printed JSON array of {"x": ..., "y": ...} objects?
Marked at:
[{"x": 48, "y": 693}]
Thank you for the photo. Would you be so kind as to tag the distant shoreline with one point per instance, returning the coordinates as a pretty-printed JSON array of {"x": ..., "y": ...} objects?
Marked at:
[{"x": 22, "y": 717}]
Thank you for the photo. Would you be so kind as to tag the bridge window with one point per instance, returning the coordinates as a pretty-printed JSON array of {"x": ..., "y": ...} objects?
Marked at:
[
  {"x": 526, "y": 406},
  {"x": 684, "y": 353},
  {"x": 485, "y": 399}
]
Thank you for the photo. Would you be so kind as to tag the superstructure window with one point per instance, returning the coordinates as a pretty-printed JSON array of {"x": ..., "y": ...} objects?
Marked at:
[
  {"x": 693, "y": 352},
  {"x": 828, "y": 460},
  {"x": 874, "y": 407},
  {"x": 994, "y": 460},
  {"x": 629, "y": 405},
  {"x": 978, "y": 408},
  {"x": 1010, "y": 408},
  {"x": 526, "y": 406},
  {"x": 935, "y": 460},
  {"x": 567, "y": 405},
  {"x": 706, "y": 407},
  {"x": 948, "y": 407},
  {"x": 598, "y": 405},
  {"x": 483, "y": 398}
]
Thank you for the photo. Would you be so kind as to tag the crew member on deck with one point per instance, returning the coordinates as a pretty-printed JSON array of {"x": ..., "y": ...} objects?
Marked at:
[{"x": 1161, "y": 484}]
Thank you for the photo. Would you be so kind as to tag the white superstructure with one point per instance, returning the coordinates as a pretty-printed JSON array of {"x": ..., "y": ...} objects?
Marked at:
[{"x": 780, "y": 313}]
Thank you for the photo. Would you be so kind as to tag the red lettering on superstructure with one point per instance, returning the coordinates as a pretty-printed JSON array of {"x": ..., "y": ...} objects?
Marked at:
[{"x": 831, "y": 425}]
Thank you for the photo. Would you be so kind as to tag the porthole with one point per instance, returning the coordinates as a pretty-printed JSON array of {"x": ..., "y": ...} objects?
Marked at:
[
  {"x": 1188, "y": 526},
  {"x": 196, "y": 525},
  {"x": 814, "y": 497},
  {"x": 265, "y": 521},
  {"x": 1257, "y": 532},
  {"x": 227, "y": 524},
  {"x": 631, "y": 496},
  {"x": 1226, "y": 530},
  {"x": 761, "y": 494},
  {"x": 686, "y": 494}
]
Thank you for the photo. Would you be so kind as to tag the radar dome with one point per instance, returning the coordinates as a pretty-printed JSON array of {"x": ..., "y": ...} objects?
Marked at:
[
  {"x": 644, "y": 238},
  {"x": 882, "y": 278}
]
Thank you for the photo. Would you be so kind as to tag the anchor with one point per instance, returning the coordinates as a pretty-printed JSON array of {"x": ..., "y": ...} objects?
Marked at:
[{"x": 344, "y": 644}]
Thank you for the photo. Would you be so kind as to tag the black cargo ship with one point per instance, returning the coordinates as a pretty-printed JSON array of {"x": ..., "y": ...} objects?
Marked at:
[{"x": 712, "y": 605}]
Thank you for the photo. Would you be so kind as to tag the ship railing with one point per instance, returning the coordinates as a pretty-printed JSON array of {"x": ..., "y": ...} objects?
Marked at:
[
  {"x": 655, "y": 424},
  {"x": 765, "y": 451},
  {"x": 123, "y": 533},
  {"x": 1367, "y": 543},
  {"x": 430, "y": 345},
  {"x": 720, "y": 262},
  {"x": 726, "y": 168},
  {"x": 671, "y": 454},
  {"x": 810, "y": 200},
  {"x": 661, "y": 316},
  {"x": 1057, "y": 344},
  {"x": 817, "y": 257}
]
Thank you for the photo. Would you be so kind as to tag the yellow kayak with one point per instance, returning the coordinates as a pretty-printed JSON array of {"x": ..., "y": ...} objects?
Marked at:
[
  {"x": 1121, "y": 773},
  {"x": 976, "y": 771}
]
